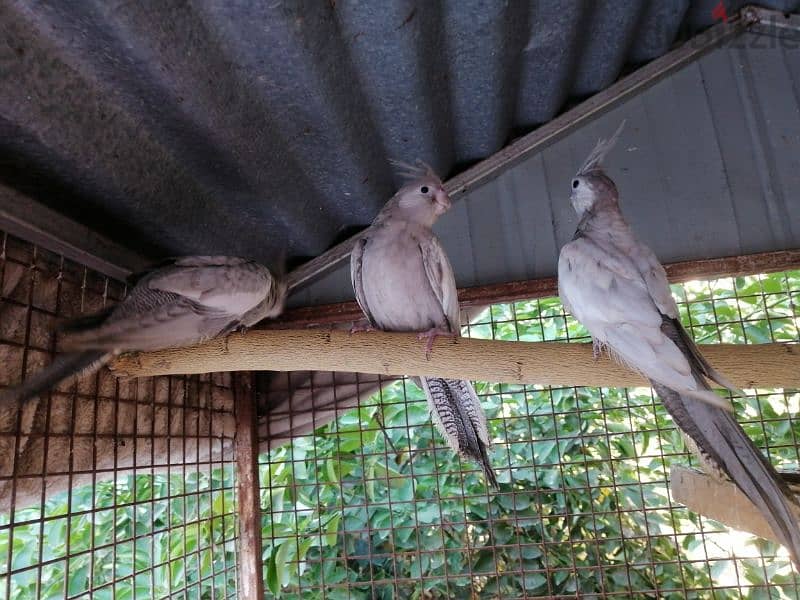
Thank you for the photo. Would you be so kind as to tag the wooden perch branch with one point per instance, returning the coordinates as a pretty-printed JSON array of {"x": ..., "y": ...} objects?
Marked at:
[
  {"x": 718, "y": 500},
  {"x": 767, "y": 365}
]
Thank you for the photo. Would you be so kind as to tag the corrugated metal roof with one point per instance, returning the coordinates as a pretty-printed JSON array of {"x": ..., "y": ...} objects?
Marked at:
[
  {"x": 708, "y": 166},
  {"x": 242, "y": 127}
]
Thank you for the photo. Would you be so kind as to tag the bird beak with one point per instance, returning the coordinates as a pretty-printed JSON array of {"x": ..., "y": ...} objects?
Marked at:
[{"x": 442, "y": 202}]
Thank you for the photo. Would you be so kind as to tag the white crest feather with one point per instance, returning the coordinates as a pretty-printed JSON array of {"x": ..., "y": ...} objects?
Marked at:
[
  {"x": 416, "y": 171},
  {"x": 600, "y": 151}
]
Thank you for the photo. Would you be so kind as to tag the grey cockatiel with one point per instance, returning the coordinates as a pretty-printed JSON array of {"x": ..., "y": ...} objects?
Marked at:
[
  {"x": 615, "y": 286},
  {"x": 403, "y": 281},
  {"x": 183, "y": 302}
]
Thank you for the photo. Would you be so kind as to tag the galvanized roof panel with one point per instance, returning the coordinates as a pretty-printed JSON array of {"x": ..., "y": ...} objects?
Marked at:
[
  {"x": 708, "y": 166},
  {"x": 244, "y": 128}
]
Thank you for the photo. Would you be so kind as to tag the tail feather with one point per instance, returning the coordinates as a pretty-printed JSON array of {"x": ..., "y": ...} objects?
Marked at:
[
  {"x": 63, "y": 368},
  {"x": 85, "y": 323},
  {"x": 725, "y": 449},
  {"x": 458, "y": 415}
]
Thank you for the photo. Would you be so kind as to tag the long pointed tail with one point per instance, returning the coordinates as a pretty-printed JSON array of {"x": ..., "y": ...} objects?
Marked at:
[
  {"x": 64, "y": 367},
  {"x": 457, "y": 413},
  {"x": 726, "y": 450}
]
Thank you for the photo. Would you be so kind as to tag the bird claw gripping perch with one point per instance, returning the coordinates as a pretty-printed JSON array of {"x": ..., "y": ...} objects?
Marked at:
[{"x": 431, "y": 336}]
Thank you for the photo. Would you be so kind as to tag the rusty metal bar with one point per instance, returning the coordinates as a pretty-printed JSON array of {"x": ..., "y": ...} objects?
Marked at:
[
  {"x": 29, "y": 220},
  {"x": 251, "y": 575},
  {"x": 513, "y": 291}
]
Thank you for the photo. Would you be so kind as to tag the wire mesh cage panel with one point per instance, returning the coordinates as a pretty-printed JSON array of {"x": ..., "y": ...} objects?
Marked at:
[
  {"x": 108, "y": 488},
  {"x": 374, "y": 505}
]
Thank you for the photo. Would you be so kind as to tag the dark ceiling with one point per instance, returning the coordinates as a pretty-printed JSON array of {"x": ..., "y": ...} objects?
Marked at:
[{"x": 245, "y": 127}]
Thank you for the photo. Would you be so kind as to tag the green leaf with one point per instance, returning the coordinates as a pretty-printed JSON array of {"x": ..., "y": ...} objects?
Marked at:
[
  {"x": 396, "y": 479},
  {"x": 273, "y": 582},
  {"x": 332, "y": 529},
  {"x": 331, "y": 466},
  {"x": 534, "y": 581},
  {"x": 281, "y": 564}
]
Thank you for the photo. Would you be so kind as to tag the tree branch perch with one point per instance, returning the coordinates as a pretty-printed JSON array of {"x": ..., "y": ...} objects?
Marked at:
[
  {"x": 718, "y": 500},
  {"x": 548, "y": 363}
]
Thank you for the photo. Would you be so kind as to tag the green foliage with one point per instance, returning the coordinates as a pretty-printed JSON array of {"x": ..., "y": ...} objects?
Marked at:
[
  {"x": 150, "y": 536},
  {"x": 373, "y": 505},
  {"x": 375, "y": 496}
]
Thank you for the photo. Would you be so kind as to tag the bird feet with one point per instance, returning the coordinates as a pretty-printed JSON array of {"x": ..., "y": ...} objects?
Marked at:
[
  {"x": 597, "y": 349},
  {"x": 361, "y": 327},
  {"x": 431, "y": 336}
]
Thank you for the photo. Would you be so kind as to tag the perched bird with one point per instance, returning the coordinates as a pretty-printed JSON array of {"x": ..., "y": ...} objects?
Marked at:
[
  {"x": 183, "y": 302},
  {"x": 615, "y": 286},
  {"x": 403, "y": 281}
]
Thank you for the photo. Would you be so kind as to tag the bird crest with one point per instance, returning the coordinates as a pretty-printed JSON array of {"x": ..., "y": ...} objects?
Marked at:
[
  {"x": 603, "y": 147},
  {"x": 410, "y": 172}
]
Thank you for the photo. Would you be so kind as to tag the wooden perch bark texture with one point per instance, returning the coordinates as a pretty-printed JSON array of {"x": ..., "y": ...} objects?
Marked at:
[
  {"x": 549, "y": 363},
  {"x": 718, "y": 500}
]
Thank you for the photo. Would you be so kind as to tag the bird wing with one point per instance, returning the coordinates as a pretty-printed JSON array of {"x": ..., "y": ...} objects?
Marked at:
[
  {"x": 655, "y": 278},
  {"x": 150, "y": 319},
  {"x": 356, "y": 276},
  {"x": 228, "y": 285},
  {"x": 188, "y": 301},
  {"x": 443, "y": 282},
  {"x": 611, "y": 297}
]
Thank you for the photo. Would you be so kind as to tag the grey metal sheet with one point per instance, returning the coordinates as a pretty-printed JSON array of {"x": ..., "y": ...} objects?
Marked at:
[{"x": 248, "y": 127}]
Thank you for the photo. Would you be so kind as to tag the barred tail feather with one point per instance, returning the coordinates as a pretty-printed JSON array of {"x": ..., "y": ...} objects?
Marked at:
[{"x": 457, "y": 413}]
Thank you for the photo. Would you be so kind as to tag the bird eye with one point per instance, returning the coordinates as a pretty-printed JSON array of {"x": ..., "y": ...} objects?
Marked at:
[
  {"x": 424, "y": 189},
  {"x": 575, "y": 183}
]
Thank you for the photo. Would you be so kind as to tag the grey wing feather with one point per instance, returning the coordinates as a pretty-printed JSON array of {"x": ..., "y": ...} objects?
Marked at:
[
  {"x": 231, "y": 288},
  {"x": 150, "y": 319},
  {"x": 655, "y": 278},
  {"x": 440, "y": 276},
  {"x": 356, "y": 277},
  {"x": 700, "y": 363}
]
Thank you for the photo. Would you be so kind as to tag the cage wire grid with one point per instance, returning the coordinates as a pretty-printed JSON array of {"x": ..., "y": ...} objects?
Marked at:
[
  {"x": 108, "y": 489},
  {"x": 115, "y": 489},
  {"x": 374, "y": 505}
]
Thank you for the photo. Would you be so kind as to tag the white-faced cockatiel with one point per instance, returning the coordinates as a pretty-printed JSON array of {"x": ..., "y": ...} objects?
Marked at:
[
  {"x": 183, "y": 302},
  {"x": 403, "y": 281},
  {"x": 616, "y": 287}
]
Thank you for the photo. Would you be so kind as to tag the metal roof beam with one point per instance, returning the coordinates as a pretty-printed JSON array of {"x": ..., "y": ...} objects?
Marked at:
[{"x": 32, "y": 221}]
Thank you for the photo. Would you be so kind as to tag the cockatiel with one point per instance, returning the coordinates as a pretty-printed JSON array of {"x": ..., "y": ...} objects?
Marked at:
[
  {"x": 403, "y": 281},
  {"x": 182, "y": 302},
  {"x": 615, "y": 286}
]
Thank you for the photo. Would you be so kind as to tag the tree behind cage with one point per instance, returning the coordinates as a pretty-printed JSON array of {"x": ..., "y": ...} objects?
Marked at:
[{"x": 374, "y": 505}]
